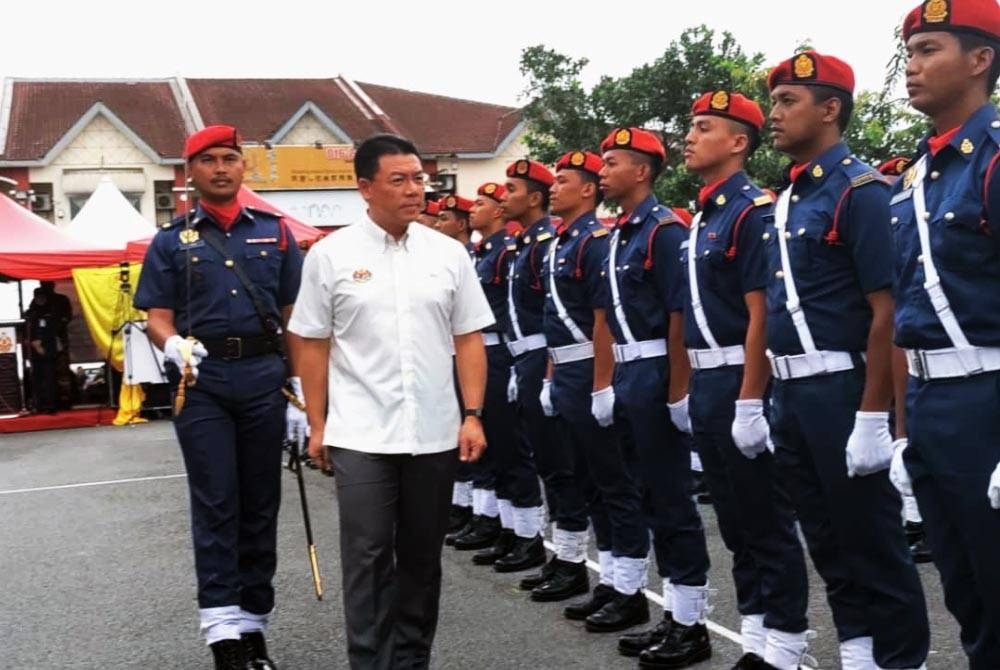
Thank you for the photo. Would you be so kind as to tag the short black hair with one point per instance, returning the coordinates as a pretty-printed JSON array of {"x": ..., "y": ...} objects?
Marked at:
[
  {"x": 821, "y": 94},
  {"x": 591, "y": 178},
  {"x": 367, "y": 155},
  {"x": 753, "y": 135},
  {"x": 654, "y": 163},
  {"x": 970, "y": 41},
  {"x": 538, "y": 187}
]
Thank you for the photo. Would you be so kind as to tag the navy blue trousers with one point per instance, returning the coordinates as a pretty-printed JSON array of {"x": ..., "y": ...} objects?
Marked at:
[
  {"x": 753, "y": 508},
  {"x": 230, "y": 431},
  {"x": 510, "y": 458},
  {"x": 851, "y": 525},
  {"x": 664, "y": 455},
  {"x": 615, "y": 503},
  {"x": 954, "y": 431}
]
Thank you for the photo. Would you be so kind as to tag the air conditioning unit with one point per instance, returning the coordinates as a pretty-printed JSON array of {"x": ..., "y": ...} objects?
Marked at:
[
  {"x": 165, "y": 201},
  {"x": 42, "y": 203}
]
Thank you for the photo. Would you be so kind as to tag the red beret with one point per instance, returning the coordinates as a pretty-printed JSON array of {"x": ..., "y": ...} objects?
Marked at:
[
  {"x": 635, "y": 139},
  {"x": 212, "y": 136},
  {"x": 809, "y": 68},
  {"x": 731, "y": 106},
  {"x": 584, "y": 161},
  {"x": 532, "y": 171},
  {"x": 683, "y": 215},
  {"x": 979, "y": 17},
  {"x": 492, "y": 190},
  {"x": 456, "y": 203},
  {"x": 432, "y": 208},
  {"x": 895, "y": 166}
]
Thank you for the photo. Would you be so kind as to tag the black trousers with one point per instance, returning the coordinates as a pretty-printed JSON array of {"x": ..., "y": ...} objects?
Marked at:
[{"x": 393, "y": 516}]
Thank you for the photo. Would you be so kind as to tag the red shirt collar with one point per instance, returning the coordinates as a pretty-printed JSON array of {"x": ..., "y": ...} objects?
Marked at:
[
  {"x": 938, "y": 142},
  {"x": 796, "y": 171},
  {"x": 706, "y": 192},
  {"x": 224, "y": 215}
]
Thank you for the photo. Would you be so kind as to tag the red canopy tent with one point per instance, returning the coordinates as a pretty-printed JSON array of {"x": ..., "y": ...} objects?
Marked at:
[
  {"x": 136, "y": 250},
  {"x": 32, "y": 248}
]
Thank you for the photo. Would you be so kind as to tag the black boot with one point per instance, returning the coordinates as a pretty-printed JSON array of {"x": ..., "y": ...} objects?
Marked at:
[
  {"x": 229, "y": 655},
  {"x": 622, "y": 612},
  {"x": 483, "y": 533},
  {"x": 527, "y": 553},
  {"x": 450, "y": 538},
  {"x": 683, "y": 646},
  {"x": 914, "y": 531},
  {"x": 601, "y": 596},
  {"x": 920, "y": 552},
  {"x": 751, "y": 661},
  {"x": 458, "y": 517},
  {"x": 633, "y": 644},
  {"x": 567, "y": 580},
  {"x": 503, "y": 544},
  {"x": 531, "y": 581},
  {"x": 256, "y": 652},
  {"x": 699, "y": 488}
]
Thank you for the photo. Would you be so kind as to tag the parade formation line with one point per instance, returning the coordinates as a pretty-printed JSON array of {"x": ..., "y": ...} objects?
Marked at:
[{"x": 81, "y": 485}]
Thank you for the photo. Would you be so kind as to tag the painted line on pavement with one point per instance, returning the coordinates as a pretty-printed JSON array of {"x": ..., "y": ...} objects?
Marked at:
[
  {"x": 81, "y": 485},
  {"x": 657, "y": 598}
]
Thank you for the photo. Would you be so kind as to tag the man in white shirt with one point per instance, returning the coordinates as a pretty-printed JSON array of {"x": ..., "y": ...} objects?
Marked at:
[{"x": 381, "y": 307}]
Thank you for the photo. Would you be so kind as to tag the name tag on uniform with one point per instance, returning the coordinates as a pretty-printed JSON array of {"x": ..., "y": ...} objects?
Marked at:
[
  {"x": 901, "y": 196},
  {"x": 192, "y": 245},
  {"x": 262, "y": 240}
]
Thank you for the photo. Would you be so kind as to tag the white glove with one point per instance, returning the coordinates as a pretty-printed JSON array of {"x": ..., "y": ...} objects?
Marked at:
[
  {"x": 545, "y": 397},
  {"x": 750, "y": 431},
  {"x": 602, "y": 406},
  {"x": 898, "y": 475},
  {"x": 679, "y": 415},
  {"x": 994, "y": 490},
  {"x": 512, "y": 385},
  {"x": 869, "y": 449},
  {"x": 296, "y": 423},
  {"x": 181, "y": 351}
]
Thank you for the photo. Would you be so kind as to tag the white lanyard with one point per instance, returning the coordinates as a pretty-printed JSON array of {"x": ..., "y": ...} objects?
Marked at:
[
  {"x": 616, "y": 299},
  {"x": 564, "y": 316},
  {"x": 700, "y": 317},
  {"x": 932, "y": 281},
  {"x": 511, "y": 307},
  {"x": 792, "y": 303}
]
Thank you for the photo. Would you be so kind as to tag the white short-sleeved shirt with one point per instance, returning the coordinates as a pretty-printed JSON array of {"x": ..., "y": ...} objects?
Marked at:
[{"x": 391, "y": 310}]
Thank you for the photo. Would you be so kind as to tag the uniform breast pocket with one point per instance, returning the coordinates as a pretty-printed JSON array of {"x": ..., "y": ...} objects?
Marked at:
[
  {"x": 263, "y": 265},
  {"x": 808, "y": 251},
  {"x": 958, "y": 239},
  {"x": 205, "y": 268}
]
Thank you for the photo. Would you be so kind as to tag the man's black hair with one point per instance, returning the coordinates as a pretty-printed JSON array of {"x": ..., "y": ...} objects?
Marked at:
[
  {"x": 591, "y": 178},
  {"x": 654, "y": 163},
  {"x": 538, "y": 187},
  {"x": 753, "y": 136},
  {"x": 970, "y": 41},
  {"x": 367, "y": 156},
  {"x": 821, "y": 94}
]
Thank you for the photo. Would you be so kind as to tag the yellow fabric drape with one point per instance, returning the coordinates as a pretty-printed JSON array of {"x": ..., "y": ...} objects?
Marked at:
[{"x": 106, "y": 306}]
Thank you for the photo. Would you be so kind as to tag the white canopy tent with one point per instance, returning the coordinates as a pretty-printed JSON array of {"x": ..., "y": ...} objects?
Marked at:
[{"x": 108, "y": 219}]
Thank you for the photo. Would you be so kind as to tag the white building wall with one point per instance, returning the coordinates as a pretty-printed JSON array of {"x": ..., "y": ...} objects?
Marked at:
[
  {"x": 472, "y": 173},
  {"x": 308, "y": 130}
]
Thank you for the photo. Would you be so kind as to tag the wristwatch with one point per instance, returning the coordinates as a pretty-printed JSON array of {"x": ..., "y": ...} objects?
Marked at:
[{"x": 473, "y": 411}]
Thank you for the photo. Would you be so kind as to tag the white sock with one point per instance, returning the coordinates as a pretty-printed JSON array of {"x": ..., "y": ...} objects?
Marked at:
[
  {"x": 668, "y": 595},
  {"x": 785, "y": 650},
  {"x": 696, "y": 461},
  {"x": 254, "y": 623},
  {"x": 490, "y": 507},
  {"x": 220, "y": 623},
  {"x": 571, "y": 546},
  {"x": 630, "y": 574},
  {"x": 690, "y": 604},
  {"x": 607, "y": 562},
  {"x": 856, "y": 654},
  {"x": 506, "y": 511},
  {"x": 911, "y": 512},
  {"x": 527, "y": 521},
  {"x": 478, "y": 500},
  {"x": 461, "y": 494},
  {"x": 754, "y": 634}
]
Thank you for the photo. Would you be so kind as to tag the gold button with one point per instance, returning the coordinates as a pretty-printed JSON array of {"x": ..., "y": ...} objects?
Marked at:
[
  {"x": 795, "y": 198},
  {"x": 232, "y": 292},
  {"x": 263, "y": 252},
  {"x": 802, "y": 231},
  {"x": 949, "y": 216},
  {"x": 707, "y": 251},
  {"x": 779, "y": 274},
  {"x": 894, "y": 219},
  {"x": 935, "y": 174},
  {"x": 846, "y": 161},
  {"x": 766, "y": 236},
  {"x": 788, "y": 235},
  {"x": 194, "y": 259},
  {"x": 920, "y": 258},
  {"x": 229, "y": 263}
]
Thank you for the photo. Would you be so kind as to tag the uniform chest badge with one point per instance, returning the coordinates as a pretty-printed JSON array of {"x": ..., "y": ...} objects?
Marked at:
[
  {"x": 6, "y": 344},
  {"x": 189, "y": 236},
  {"x": 362, "y": 275},
  {"x": 817, "y": 171},
  {"x": 966, "y": 147},
  {"x": 721, "y": 200}
]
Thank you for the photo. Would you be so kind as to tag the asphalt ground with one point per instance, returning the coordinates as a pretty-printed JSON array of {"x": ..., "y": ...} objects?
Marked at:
[{"x": 96, "y": 571}]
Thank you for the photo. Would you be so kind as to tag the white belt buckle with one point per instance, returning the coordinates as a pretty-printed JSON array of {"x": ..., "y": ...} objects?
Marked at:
[{"x": 969, "y": 358}]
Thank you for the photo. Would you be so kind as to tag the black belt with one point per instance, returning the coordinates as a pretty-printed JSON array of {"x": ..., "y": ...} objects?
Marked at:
[{"x": 235, "y": 348}]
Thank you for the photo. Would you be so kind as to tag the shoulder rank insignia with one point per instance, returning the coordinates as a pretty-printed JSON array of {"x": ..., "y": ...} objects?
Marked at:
[
  {"x": 908, "y": 178},
  {"x": 600, "y": 232},
  {"x": 762, "y": 200},
  {"x": 189, "y": 236},
  {"x": 863, "y": 179},
  {"x": 543, "y": 237},
  {"x": 512, "y": 247}
]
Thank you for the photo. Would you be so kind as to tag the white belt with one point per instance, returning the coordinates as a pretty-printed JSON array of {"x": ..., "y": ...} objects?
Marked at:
[
  {"x": 951, "y": 362},
  {"x": 492, "y": 339},
  {"x": 635, "y": 351},
  {"x": 526, "y": 344},
  {"x": 571, "y": 353},
  {"x": 706, "y": 359},
  {"x": 810, "y": 365}
]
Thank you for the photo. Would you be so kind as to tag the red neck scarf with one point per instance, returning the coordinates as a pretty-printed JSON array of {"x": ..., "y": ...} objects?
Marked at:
[
  {"x": 796, "y": 171},
  {"x": 706, "y": 192},
  {"x": 938, "y": 142},
  {"x": 224, "y": 215}
]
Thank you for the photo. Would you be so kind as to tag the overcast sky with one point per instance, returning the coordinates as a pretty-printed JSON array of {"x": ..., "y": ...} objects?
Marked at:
[{"x": 465, "y": 49}]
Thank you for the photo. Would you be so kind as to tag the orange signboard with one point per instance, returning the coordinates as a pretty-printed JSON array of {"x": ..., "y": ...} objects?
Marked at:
[{"x": 300, "y": 167}]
